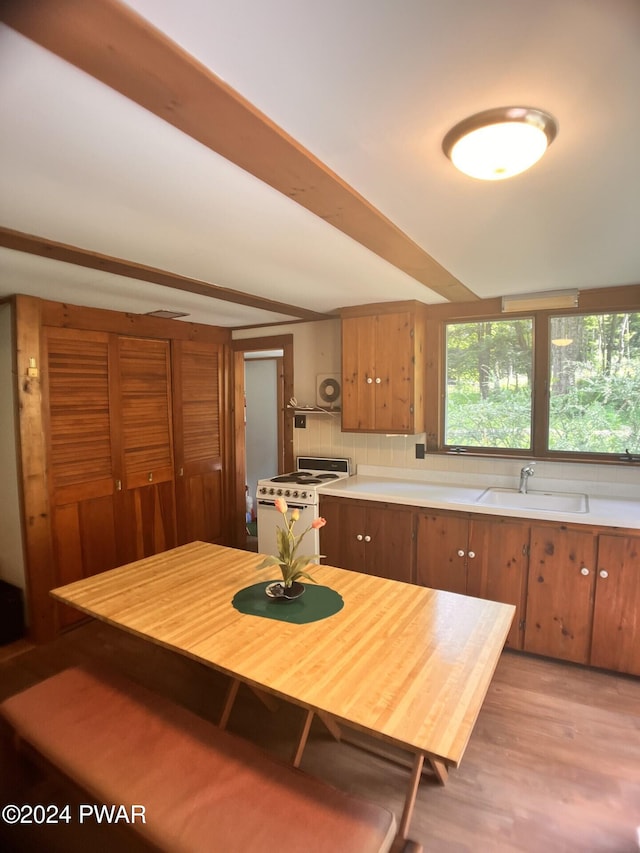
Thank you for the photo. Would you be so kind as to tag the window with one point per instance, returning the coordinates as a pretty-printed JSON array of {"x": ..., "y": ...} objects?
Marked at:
[
  {"x": 550, "y": 384},
  {"x": 594, "y": 402},
  {"x": 489, "y": 384}
]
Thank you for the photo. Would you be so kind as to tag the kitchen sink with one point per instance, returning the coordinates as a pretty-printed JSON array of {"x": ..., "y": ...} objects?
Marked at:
[{"x": 539, "y": 501}]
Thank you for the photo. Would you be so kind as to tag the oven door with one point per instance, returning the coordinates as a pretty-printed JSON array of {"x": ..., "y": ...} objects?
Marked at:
[{"x": 269, "y": 519}]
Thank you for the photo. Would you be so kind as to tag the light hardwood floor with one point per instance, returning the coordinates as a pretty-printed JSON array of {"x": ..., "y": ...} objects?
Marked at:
[{"x": 553, "y": 764}]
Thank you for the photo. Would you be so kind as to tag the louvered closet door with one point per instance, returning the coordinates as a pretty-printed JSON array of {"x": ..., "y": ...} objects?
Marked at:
[
  {"x": 142, "y": 393},
  {"x": 197, "y": 384},
  {"x": 81, "y": 463}
]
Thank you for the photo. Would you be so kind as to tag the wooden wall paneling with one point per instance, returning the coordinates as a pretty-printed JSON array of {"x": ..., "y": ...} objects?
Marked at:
[
  {"x": 39, "y": 554},
  {"x": 198, "y": 419},
  {"x": 142, "y": 414},
  {"x": 62, "y": 314}
]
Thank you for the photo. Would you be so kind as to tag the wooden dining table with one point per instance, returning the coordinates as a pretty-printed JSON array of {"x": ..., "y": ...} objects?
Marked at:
[{"x": 404, "y": 664}]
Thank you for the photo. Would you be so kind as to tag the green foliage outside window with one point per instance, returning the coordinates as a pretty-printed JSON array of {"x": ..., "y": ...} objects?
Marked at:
[
  {"x": 594, "y": 384},
  {"x": 489, "y": 370}
]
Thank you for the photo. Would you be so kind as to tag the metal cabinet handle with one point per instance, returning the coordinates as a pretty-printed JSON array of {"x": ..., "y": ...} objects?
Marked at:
[
  {"x": 150, "y": 477},
  {"x": 369, "y": 380},
  {"x": 367, "y": 539},
  {"x": 472, "y": 554},
  {"x": 378, "y": 380},
  {"x": 118, "y": 485},
  {"x": 584, "y": 571},
  {"x": 604, "y": 573},
  {"x": 460, "y": 553},
  {"x": 359, "y": 537}
]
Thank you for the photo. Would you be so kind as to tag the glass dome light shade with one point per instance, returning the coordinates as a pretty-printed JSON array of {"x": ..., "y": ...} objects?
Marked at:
[{"x": 498, "y": 144}]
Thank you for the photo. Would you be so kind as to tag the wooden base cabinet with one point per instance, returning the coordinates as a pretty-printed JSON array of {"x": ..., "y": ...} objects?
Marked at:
[
  {"x": 616, "y": 614},
  {"x": 560, "y": 593},
  {"x": 576, "y": 588},
  {"x": 486, "y": 558},
  {"x": 367, "y": 536}
]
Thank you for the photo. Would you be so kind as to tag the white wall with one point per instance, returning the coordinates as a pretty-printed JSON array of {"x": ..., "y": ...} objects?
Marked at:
[
  {"x": 317, "y": 350},
  {"x": 11, "y": 553}
]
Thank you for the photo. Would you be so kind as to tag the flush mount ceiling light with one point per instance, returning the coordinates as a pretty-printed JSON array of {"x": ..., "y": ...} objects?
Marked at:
[{"x": 499, "y": 143}]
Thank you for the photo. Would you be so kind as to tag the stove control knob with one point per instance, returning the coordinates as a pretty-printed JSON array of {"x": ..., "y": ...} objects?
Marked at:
[
  {"x": 287, "y": 493},
  {"x": 294, "y": 494},
  {"x": 279, "y": 492},
  {"x": 272, "y": 491},
  {"x": 303, "y": 495}
]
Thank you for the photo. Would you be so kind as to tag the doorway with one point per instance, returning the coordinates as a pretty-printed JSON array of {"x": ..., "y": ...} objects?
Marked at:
[{"x": 263, "y": 429}]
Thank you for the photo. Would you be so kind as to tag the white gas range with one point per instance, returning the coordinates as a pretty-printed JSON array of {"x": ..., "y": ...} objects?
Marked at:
[{"x": 300, "y": 490}]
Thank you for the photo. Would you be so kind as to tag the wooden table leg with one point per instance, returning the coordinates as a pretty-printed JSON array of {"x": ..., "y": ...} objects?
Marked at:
[
  {"x": 232, "y": 692},
  {"x": 440, "y": 769},
  {"x": 412, "y": 792},
  {"x": 297, "y": 758},
  {"x": 331, "y": 725},
  {"x": 266, "y": 698}
]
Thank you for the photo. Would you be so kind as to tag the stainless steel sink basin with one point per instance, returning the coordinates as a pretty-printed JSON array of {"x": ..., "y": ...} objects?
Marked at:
[{"x": 539, "y": 501}]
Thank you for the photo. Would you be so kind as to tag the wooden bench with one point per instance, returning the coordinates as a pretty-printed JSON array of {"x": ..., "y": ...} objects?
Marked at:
[{"x": 202, "y": 789}]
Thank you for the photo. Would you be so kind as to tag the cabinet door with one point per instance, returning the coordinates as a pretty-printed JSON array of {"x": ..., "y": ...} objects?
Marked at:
[
  {"x": 497, "y": 562},
  {"x": 393, "y": 370},
  {"x": 441, "y": 551},
  {"x": 197, "y": 422},
  {"x": 560, "y": 593},
  {"x": 81, "y": 463},
  {"x": 142, "y": 388},
  {"x": 358, "y": 359},
  {"x": 388, "y": 536},
  {"x": 342, "y": 538},
  {"x": 616, "y": 621}
]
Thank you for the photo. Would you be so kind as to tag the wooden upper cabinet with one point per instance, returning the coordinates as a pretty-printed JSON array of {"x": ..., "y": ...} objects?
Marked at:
[
  {"x": 616, "y": 615},
  {"x": 197, "y": 419},
  {"x": 382, "y": 369}
]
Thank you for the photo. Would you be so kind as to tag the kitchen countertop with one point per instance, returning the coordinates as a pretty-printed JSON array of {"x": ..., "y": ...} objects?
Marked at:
[{"x": 606, "y": 511}]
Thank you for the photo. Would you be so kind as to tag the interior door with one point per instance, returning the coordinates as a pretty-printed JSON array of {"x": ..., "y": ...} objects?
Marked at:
[
  {"x": 198, "y": 427},
  {"x": 81, "y": 462},
  {"x": 142, "y": 389}
]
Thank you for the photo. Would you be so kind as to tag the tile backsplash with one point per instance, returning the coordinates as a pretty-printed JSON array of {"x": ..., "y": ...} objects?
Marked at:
[{"x": 323, "y": 437}]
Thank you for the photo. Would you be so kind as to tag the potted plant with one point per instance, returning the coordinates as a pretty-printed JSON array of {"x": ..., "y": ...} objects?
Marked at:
[{"x": 291, "y": 565}]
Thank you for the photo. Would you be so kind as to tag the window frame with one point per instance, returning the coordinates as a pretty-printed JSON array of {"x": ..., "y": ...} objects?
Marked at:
[{"x": 596, "y": 301}]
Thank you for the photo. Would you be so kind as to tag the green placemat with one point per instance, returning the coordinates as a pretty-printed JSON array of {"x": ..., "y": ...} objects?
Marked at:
[{"x": 318, "y": 602}]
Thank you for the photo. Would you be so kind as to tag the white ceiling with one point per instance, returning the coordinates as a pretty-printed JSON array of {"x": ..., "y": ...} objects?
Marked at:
[{"x": 368, "y": 86}]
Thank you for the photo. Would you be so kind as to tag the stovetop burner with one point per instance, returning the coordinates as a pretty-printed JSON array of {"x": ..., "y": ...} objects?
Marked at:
[
  {"x": 300, "y": 478},
  {"x": 312, "y": 471}
]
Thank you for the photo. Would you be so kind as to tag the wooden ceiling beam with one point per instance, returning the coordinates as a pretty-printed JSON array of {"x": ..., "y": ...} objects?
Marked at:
[
  {"x": 45, "y": 248},
  {"x": 115, "y": 45}
]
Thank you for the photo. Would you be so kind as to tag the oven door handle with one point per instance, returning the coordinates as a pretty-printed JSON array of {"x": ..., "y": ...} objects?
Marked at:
[{"x": 289, "y": 505}]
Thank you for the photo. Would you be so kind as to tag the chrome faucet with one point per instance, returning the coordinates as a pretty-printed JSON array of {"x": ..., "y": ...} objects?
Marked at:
[{"x": 525, "y": 473}]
